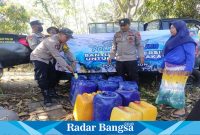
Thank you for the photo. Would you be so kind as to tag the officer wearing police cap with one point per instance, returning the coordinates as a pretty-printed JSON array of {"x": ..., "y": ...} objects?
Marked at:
[
  {"x": 41, "y": 57},
  {"x": 124, "y": 22},
  {"x": 126, "y": 49},
  {"x": 52, "y": 30},
  {"x": 36, "y": 36}
]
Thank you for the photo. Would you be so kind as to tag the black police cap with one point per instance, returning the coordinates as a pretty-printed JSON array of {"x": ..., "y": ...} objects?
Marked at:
[
  {"x": 50, "y": 28},
  {"x": 124, "y": 21},
  {"x": 67, "y": 32},
  {"x": 36, "y": 22}
]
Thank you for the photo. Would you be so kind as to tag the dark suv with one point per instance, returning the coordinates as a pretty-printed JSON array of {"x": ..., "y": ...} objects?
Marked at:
[{"x": 14, "y": 50}]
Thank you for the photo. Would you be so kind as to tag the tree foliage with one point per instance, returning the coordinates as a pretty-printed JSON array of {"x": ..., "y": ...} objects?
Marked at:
[
  {"x": 76, "y": 14},
  {"x": 52, "y": 11},
  {"x": 13, "y": 19},
  {"x": 153, "y": 9},
  {"x": 63, "y": 13},
  {"x": 126, "y": 8},
  {"x": 117, "y": 9},
  {"x": 105, "y": 12}
]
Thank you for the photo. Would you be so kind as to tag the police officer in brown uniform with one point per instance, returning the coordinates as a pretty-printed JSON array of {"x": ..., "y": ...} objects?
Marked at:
[
  {"x": 41, "y": 58},
  {"x": 125, "y": 49},
  {"x": 52, "y": 30},
  {"x": 36, "y": 37}
]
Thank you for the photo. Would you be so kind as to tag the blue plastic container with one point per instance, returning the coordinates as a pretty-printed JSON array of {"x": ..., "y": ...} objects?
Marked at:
[
  {"x": 115, "y": 79},
  {"x": 107, "y": 86},
  {"x": 128, "y": 85},
  {"x": 73, "y": 85},
  {"x": 83, "y": 86},
  {"x": 128, "y": 96},
  {"x": 104, "y": 103},
  {"x": 96, "y": 77}
]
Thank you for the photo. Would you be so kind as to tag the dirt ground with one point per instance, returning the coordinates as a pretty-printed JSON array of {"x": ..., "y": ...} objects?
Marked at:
[{"x": 18, "y": 89}]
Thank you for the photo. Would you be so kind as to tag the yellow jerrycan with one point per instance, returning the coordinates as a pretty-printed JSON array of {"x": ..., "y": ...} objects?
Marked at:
[
  {"x": 149, "y": 112},
  {"x": 83, "y": 108},
  {"x": 125, "y": 114}
]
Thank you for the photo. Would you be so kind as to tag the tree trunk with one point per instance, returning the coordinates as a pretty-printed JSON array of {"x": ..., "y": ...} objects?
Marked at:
[
  {"x": 127, "y": 7},
  {"x": 75, "y": 15},
  {"x": 86, "y": 17},
  {"x": 44, "y": 5}
]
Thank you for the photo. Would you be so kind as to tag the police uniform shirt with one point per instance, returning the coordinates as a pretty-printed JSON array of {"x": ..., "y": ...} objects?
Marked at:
[
  {"x": 47, "y": 50},
  {"x": 35, "y": 39}
]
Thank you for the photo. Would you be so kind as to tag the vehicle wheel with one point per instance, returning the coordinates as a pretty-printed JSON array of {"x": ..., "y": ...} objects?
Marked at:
[{"x": 1, "y": 72}]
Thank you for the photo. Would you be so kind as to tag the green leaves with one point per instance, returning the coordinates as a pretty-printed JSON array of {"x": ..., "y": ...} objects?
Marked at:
[
  {"x": 13, "y": 19},
  {"x": 154, "y": 9}
]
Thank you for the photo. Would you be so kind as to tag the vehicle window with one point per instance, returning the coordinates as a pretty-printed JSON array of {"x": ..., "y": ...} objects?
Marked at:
[
  {"x": 92, "y": 28},
  {"x": 116, "y": 27},
  {"x": 165, "y": 25},
  {"x": 193, "y": 26},
  {"x": 111, "y": 27},
  {"x": 101, "y": 28},
  {"x": 137, "y": 26},
  {"x": 153, "y": 25}
]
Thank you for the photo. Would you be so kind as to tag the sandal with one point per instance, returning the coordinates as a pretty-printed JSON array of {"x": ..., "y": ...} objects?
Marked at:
[{"x": 178, "y": 115}]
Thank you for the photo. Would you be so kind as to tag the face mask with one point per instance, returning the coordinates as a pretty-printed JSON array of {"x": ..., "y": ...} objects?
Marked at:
[{"x": 40, "y": 29}]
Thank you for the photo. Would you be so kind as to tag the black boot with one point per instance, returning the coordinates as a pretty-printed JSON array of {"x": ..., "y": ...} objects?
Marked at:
[
  {"x": 47, "y": 98},
  {"x": 53, "y": 93}
]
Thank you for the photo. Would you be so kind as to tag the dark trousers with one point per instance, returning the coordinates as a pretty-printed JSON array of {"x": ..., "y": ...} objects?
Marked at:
[
  {"x": 128, "y": 67},
  {"x": 58, "y": 73},
  {"x": 195, "y": 113},
  {"x": 45, "y": 74}
]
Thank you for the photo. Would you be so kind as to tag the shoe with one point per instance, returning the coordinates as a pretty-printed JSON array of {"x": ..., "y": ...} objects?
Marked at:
[
  {"x": 53, "y": 93},
  {"x": 47, "y": 98}
]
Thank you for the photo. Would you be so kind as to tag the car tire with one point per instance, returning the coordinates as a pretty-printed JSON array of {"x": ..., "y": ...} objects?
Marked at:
[{"x": 1, "y": 72}]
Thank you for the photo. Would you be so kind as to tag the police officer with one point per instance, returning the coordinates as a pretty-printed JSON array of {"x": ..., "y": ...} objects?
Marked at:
[
  {"x": 41, "y": 58},
  {"x": 125, "y": 49},
  {"x": 52, "y": 30},
  {"x": 36, "y": 37}
]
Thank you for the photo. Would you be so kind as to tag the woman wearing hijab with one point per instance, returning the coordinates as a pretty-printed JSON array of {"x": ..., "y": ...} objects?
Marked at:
[{"x": 179, "y": 57}]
